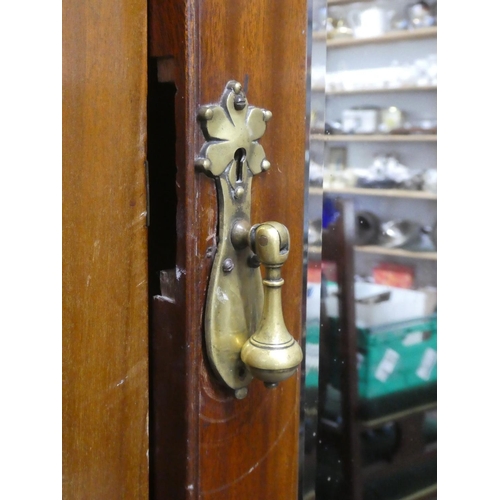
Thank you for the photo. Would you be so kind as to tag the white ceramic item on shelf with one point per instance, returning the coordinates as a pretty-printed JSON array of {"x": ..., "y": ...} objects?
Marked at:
[
  {"x": 369, "y": 22},
  {"x": 430, "y": 181},
  {"x": 432, "y": 68}
]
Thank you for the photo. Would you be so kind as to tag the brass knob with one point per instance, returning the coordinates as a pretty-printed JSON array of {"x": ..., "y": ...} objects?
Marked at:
[{"x": 271, "y": 353}]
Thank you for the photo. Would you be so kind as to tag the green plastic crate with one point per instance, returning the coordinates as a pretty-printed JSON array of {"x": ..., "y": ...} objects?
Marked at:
[
  {"x": 312, "y": 353},
  {"x": 392, "y": 358}
]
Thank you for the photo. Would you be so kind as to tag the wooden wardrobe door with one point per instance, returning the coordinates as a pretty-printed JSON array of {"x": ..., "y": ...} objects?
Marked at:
[
  {"x": 105, "y": 313},
  {"x": 205, "y": 443}
]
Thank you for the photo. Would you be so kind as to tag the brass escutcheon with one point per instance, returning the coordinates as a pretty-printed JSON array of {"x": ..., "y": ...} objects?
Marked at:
[{"x": 245, "y": 332}]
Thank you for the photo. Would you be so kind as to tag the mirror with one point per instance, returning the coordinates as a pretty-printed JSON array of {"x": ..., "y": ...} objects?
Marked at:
[{"x": 369, "y": 405}]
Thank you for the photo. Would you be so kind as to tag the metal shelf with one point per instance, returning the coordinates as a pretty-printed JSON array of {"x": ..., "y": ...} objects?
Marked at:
[
  {"x": 390, "y": 193},
  {"x": 375, "y": 138},
  {"x": 384, "y": 90},
  {"x": 396, "y": 252},
  {"x": 391, "y": 36}
]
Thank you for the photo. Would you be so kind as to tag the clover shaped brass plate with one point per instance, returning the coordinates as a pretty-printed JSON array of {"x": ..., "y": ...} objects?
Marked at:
[
  {"x": 232, "y": 156},
  {"x": 231, "y": 126}
]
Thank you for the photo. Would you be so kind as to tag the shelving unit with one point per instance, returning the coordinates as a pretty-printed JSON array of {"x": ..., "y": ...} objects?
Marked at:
[
  {"x": 391, "y": 417},
  {"x": 383, "y": 90},
  {"x": 348, "y": 421},
  {"x": 355, "y": 53},
  {"x": 375, "y": 138},
  {"x": 391, "y": 36},
  {"x": 396, "y": 252},
  {"x": 332, "y": 3},
  {"x": 319, "y": 35},
  {"x": 390, "y": 193},
  {"x": 392, "y": 252},
  {"x": 415, "y": 96}
]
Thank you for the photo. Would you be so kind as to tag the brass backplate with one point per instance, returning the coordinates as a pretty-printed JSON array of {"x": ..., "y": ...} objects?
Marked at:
[{"x": 232, "y": 156}]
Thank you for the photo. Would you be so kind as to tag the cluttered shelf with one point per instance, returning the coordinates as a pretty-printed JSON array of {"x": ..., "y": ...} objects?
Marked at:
[
  {"x": 392, "y": 252},
  {"x": 390, "y": 36},
  {"x": 396, "y": 252},
  {"x": 410, "y": 88},
  {"x": 392, "y": 193},
  {"x": 374, "y": 137},
  {"x": 319, "y": 35},
  {"x": 334, "y": 426},
  {"x": 377, "y": 422},
  {"x": 331, "y": 3}
]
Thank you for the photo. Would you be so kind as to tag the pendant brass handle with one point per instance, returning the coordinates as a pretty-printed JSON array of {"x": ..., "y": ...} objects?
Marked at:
[
  {"x": 245, "y": 331},
  {"x": 271, "y": 353}
]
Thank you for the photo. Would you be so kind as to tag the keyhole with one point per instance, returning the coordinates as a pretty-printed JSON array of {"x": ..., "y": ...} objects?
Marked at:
[{"x": 239, "y": 158}]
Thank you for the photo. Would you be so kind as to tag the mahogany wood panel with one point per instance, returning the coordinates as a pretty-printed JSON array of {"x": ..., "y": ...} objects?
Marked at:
[
  {"x": 231, "y": 449},
  {"x": 105, "y": 335}
]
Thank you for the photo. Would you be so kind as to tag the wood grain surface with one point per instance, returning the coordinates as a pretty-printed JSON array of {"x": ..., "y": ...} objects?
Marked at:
[
  {"x": 105, "y": 336},
  {"x": 244, "y": 449}
]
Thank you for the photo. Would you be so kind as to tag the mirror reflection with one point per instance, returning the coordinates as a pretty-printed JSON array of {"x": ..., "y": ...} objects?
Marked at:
[{"x": 370, "y": 373}]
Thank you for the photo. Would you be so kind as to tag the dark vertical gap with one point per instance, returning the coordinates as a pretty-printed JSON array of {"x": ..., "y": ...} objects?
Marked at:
[
  {"x": 162, "y": 237},
  {"x": 162, "y": 176}
]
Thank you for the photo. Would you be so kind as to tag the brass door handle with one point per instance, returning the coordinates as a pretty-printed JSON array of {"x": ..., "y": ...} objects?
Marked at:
[
  {"x": 271, "y": 353},
  {"x": 245, "y": 332}
]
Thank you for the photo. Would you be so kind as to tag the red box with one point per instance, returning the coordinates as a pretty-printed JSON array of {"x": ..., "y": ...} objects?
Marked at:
[{"x": 391, "y": 274}]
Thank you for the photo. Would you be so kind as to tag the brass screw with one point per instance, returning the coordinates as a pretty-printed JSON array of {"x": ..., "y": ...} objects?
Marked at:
[
  {"x": 227, "y": 265},
  {"x": 239, "y": 192},
  {"x": 241, "y": 393}
]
